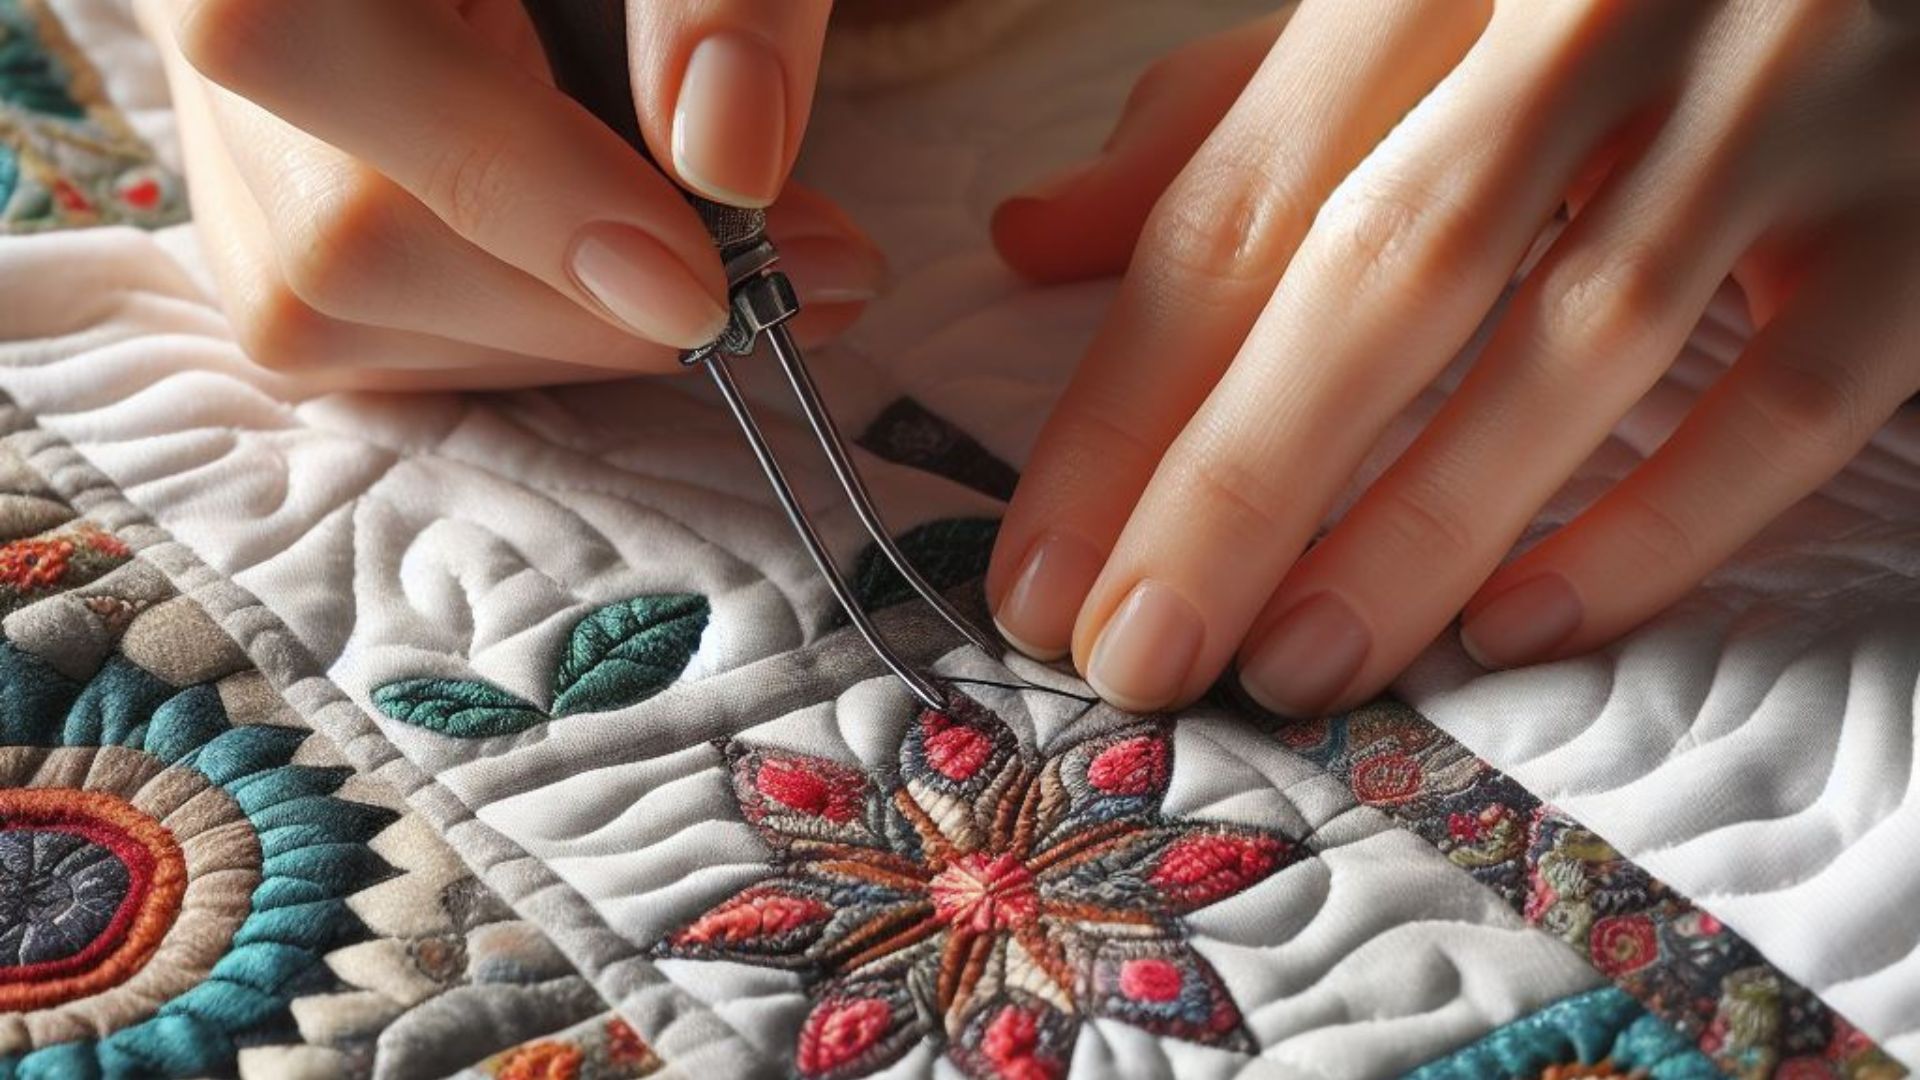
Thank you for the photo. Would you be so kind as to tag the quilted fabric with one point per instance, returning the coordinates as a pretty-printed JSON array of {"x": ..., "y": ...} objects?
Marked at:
[{"x": 561, "y": 661}]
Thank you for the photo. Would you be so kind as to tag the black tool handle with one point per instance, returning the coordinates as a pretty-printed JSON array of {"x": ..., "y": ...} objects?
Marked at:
[{"x": 586, "y": 43}]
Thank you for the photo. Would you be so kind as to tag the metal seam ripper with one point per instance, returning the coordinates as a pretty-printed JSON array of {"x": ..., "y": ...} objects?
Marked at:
[{"x": 585, "y": 42}]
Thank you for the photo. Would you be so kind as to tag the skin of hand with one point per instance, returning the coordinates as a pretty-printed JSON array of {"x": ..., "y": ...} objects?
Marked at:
[
  {"x": 1314, "y": 215},
  {"x": 392, "y": 194}
]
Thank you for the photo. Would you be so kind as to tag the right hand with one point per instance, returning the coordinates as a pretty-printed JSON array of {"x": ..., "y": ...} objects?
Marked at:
[{"x": 393, "y": 195}]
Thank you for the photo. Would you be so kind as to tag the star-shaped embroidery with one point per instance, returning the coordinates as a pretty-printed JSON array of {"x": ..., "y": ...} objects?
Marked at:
[{"x": 989, "y": 900}]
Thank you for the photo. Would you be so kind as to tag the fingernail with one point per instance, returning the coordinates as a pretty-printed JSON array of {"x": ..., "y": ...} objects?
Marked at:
[
  {"x": 730, "y": 121},
  {"x": 1036, "y": 616},
  {"x": 827, "y": 270},
  {"x": 1143, "y": 656},
  {"x": 1523, "y": 623},
  {"x": 1308, "y": 658},
  {"x": 644, "y": 285}
]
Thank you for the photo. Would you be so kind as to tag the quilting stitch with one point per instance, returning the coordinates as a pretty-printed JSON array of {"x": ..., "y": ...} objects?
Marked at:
[{"x": 986, "y": 901}]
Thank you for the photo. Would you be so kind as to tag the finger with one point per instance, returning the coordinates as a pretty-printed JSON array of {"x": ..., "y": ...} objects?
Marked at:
[
  {"x": 1402, "y": 265},
  {"x": 355, "y": 246},
  {"x": 504, "y": 159},
  {"x": 724, "y": 88},
  {"x": 279, "y": 330},
  {"x": 1339, "y": 77},
  {"x": 1084, "y": 222},
  {"x": 1589, "y": 332},
  {"x": 1808, "y": 394}
]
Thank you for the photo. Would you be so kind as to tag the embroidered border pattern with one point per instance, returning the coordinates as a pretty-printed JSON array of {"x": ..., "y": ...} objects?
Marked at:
[{"x": 1679, "y": 962}]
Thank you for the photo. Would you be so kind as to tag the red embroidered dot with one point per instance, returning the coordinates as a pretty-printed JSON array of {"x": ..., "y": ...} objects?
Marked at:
[
  {"x": 1199, "y": 870},
  {"x": 1012, "y": 1042},
  {"x": 954, "y": 750},
  {"x": 982, "y": 893},
  {"x": 1387, "y": 778},
  {"x": 1151, "y": 979},
  {"x": 839, "y": 1031},
  {"x": 754, "y": 916},
  {"x": 835, "y": 797},
  {"x": 142, "y": 194},
  {"x": 1134, "y": 766}
]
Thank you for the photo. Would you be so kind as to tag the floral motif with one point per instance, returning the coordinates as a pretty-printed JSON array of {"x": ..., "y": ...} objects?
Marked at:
[
  {"x": 37, "y": 566},
  {"x": 1690, "y": 971},
  {"x": 989, "y": 900}
]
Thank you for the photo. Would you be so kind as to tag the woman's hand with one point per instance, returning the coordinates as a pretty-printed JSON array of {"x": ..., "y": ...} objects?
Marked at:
[
  {"x": 1323, "y": 216},
  {"x": 393, "y": 194}
]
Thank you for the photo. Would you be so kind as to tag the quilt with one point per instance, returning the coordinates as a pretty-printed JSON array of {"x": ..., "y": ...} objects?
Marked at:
[{"x": 512, "y": 735}]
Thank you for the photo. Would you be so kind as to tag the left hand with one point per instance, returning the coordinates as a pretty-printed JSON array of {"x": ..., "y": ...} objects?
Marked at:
[{"x": 1317, "y": 220}]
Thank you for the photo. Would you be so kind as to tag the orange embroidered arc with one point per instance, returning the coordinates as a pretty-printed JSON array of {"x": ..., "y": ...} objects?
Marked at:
[{"x": 157, "y": 880}]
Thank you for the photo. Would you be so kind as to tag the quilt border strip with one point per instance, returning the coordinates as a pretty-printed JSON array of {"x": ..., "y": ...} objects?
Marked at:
[{"x": 1681, "y": 964}]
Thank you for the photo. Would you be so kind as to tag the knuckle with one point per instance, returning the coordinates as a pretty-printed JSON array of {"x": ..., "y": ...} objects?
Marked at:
[
  {"x": 1417, "y": 520},
  {"x": 472, "y": 182},
  {"x": 1655, "y": 531},
  {"x": 349, "y": 251},
  {"x": 1389, "y": 230},
  {"x": 1806, "y": 405},
  {"x": 228, "y": 40},
  {"x": 1230, "y": 484},
  {"x": 1595, "y": 307},
  {"x": 1231, "y": 221},
  {"x": 279, "y": 331}
]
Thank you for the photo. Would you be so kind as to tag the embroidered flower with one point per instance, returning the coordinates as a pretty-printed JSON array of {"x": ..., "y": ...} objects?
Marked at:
[
  {"x": 33, "y": 567},
  {"x": 1623, "y": 944},
  {"x": 1385, "y": 779},
  {"x": 987, "y": 900}
]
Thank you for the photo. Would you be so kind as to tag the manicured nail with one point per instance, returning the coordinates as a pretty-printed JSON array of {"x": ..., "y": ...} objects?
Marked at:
[
  {"x": 644, "y": 285},
  {"x": 1524, "y": 623},
  {"x": 831, "y": 270},
  {"x": 1308, "y": 658},
  {"x": 730, "y": 121},
  {"x": 1144, "y": 655},
  {"x": 1036, "y": 616}
]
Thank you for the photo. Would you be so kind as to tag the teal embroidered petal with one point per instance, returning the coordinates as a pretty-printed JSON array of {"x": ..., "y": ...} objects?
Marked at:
[
  {"x": 949, "y": 552},
  {"x": 624, "y": 653},
  {"x": 460, "y": 708}
]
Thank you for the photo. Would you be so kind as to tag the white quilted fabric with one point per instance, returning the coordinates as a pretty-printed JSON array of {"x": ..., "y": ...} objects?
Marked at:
[{"x": 1755, "y": 747}]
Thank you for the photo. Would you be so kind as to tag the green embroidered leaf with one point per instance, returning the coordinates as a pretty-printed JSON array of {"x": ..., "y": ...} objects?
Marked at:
[
  {"x": 625, "y": 653},
  {"x": 947, "y": 552},
  {"x": 456, "y": 707}
]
